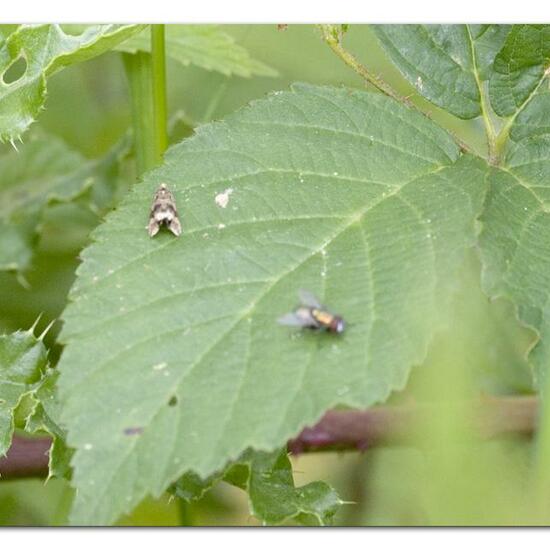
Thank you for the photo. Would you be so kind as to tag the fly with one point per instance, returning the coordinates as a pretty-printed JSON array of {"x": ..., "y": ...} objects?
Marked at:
[
  {"x": 311, "y": 314},
  {"x": 163, "y": 212}
]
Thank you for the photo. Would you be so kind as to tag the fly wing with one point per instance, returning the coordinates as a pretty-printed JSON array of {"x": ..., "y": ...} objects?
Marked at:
[
  {"x": 291, "y": 320},
  {"x": 308, "y": 299}
]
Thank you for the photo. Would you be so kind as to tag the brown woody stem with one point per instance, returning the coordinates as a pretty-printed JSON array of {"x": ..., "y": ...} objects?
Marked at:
[
  {"x": 378, "y": 426},
  {"x": 27, "y": 457},
  {"x": 338, "y": 429}
]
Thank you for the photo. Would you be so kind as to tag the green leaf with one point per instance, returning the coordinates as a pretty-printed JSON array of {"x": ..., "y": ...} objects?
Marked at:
[
  {"x": 46, "y": 49},
  {"x": 533, "y": 121},
  {"x": 46, "y": 418},
  {"x": 438, "y": 61},
  {"x": 31, "y": 176},
  {"x": 445, "y": 63},
  {"x": 27, "y": 179},
  {"x": 190, "y": 486},
  {"x": 23, "y": 358},
  {"x": 519, "y": 67},
  {"x": 348, "y": 194},
  {"x": 273, "y": 498},
  {"x": 516, "y": 224},
  {"x": 486, "y": 42},
  {"x": 205, "y": 46},
  {"x": 45, "y": 171}
]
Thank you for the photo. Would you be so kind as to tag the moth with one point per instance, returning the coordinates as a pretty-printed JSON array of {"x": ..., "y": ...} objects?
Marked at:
[
  {"x": 163, "y": 212},
  {"x": 311, "y": 314}
]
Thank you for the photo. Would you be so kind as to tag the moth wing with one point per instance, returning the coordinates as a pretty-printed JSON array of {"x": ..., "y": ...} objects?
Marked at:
[
  {"x": 153, "y": 227},
  {"x": 291, "y": 320},
  {"x": 175, "y": 226},
  {"x": 308, "y": 299}
]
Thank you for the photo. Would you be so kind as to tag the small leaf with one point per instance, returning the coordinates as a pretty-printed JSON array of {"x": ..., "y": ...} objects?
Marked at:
[
  {"x": 360, "y": 200},
  {"x": 486, "y": 41},
  {"x": 23, "y": 359},
  {"x": 274, "y": 499},
  {"x": 205, "y": 46},
  {"x": 46, "y": 171},
  {"x": 28, "y": 178},
  {"x": 447, "y": 64},
  {"x": 190, "y": 486},
  {"x": 44, "y": 50},
  {"x": 438, "y": 60},
  {"x": 15, "y": 246},
  {"x": 45, "y": 418},
  {"x": 519, "y": 67}
]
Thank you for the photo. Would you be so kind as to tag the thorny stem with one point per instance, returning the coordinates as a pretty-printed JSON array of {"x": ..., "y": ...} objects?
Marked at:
[
  {"x": 333, "y": 35},
  {"x": 351, "y": 430}
]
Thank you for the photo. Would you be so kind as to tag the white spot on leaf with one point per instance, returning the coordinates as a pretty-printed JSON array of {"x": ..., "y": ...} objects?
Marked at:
[{"x": 223, "y": 198}]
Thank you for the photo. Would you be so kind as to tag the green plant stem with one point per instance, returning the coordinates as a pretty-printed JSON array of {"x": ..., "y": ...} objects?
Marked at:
[
  {"x": 158, "y": 66},
  {"x": 185, "y": 513},
  {"x": 138, "y": 70},
  {"x": 332, "y": 35},
  {"x": 147, "y": 79}
]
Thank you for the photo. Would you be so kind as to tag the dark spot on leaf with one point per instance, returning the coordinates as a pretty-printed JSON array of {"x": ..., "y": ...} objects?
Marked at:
[
  {"x": 133, "y": 431},
  {"x": 15, "y": 71},
  {"x": 173, "y": 401}
]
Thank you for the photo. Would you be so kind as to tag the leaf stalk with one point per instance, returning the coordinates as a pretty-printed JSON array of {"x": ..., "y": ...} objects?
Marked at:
[{"x": 333, "y": 36}]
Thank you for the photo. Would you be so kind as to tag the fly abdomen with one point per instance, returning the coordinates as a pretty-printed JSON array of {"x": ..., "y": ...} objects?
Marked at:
[{"x": 327, "y": 320}]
